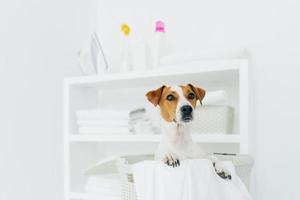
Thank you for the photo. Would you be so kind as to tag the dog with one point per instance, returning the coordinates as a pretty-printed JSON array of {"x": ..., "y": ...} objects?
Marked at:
[{"x": 177, "y": 105}]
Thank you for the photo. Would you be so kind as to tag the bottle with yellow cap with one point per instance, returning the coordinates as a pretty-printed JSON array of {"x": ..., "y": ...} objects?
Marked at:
[{"x": 126, "y": 60}]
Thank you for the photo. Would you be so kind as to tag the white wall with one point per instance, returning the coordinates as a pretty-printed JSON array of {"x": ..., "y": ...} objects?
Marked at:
[
  {"x": 39, "y": 41},
  {"x": 270, "y": 31}
]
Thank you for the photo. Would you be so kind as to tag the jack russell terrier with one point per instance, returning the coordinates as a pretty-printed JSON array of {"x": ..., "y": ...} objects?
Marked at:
[{"x": 176, "y": 105}]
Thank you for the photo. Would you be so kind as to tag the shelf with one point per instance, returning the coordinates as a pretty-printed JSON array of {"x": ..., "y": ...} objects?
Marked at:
[
  {"x": 83, "y": 93},
  {"x": 204, "y": 138},
  {"x": 213, "y": 71}
]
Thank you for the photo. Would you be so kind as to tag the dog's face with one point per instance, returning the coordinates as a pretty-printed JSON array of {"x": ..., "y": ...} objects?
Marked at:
[{"x": 176, "y": 103}]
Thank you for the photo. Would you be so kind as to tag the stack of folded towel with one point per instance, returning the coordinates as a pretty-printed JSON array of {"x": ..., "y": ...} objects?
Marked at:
[
  {"x": 98, "y": 121},
  {"x": 218, "y": 97},
  {"x": 101, "y": 121},
  {"x": 140, "y": 122},
  {"x": 105, "y": 186}
]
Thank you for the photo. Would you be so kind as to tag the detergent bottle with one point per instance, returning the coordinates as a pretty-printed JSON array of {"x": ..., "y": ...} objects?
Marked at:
[
  {"x": 158, "y": 44},
  {"x": 126, "y": 61}
]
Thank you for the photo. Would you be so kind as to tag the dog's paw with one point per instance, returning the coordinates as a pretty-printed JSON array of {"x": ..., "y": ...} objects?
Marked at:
[
  {"x": 171, "y": 160},
  {"x": 221, "y": 170}
]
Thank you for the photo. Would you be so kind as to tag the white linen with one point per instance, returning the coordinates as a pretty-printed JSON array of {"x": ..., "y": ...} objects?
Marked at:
[
  {"x": 215, "y": 98},
  {"x": 106, "y": 121},
  {"x": 105, "y": 186},
  {"x": 102, "y": 114},
  {"x": 193, "y": 180},
  {"x": 101, "y": 123},
  {"x": 103, "y": 130}
]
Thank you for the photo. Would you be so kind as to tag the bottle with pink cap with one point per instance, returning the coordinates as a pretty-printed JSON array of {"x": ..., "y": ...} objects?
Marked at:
[{"x": 157, "y": 50}]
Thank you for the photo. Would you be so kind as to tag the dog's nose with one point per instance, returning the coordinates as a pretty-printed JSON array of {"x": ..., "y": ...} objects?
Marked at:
[{"x": 186, "y": 110}]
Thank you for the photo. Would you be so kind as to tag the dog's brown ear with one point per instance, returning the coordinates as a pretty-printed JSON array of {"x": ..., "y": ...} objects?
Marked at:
[
  {"x": 200, "y": 93},
  {"x": 154, "y": 95}
]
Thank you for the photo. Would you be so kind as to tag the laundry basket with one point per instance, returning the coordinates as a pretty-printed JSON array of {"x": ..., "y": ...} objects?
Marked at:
[{"x": 243, "y": 165}]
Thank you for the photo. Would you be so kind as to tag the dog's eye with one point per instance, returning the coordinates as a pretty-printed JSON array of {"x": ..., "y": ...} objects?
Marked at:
[
  {"x": 191, "y": 96},
  {"x": 170, "y": 97}
]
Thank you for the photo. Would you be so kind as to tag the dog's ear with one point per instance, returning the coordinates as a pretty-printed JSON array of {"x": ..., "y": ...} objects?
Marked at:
[
  {"x": 200, "y": 93},
  {"x": 154, "y": 95}
]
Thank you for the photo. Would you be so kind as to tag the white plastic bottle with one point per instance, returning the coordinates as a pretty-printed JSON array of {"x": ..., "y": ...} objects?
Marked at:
[
  {"x": 139, "y": 55},
  {"x": 158, "y": 44},
  {"x": 126, "y": 60}
]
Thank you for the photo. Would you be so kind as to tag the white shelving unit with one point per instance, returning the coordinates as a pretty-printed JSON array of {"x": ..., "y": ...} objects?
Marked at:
[{"x": 90, "y": 92}]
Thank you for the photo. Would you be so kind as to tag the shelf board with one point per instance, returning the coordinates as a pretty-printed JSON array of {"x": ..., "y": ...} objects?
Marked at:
[
  {"x": 206, "y": 71},
  {"x": 203, "y": 138}
]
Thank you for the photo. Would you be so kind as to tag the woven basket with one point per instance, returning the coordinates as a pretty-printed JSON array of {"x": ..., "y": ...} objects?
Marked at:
[
  {"x": 213, "y": 119},
  {"x": 242, "y": 163}
]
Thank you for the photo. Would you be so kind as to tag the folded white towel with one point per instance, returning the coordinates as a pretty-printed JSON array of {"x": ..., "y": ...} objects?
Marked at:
[
  {"x": 103, "y": 130},
  {"x": 112, "y": 192},
  {"x": 108, "y": 179},
  {"x": 193, "y": 180},
  {"x": 91, "y": 196},
  {"x": 103, "y": 123},
  {"x": 104, "y": 185},
  {"x": 215, "y": 98},
  {"x": 102, "y": 114}
]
